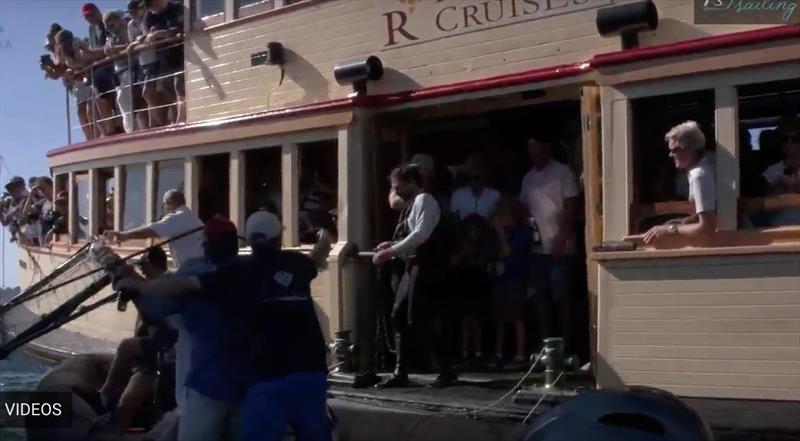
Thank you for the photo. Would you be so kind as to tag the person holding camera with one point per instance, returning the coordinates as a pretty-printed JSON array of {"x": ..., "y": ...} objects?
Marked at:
[
  {"x": 72, "y": 55},
  {"x": 101, "y": 77},
  {"x": 12, "y": 206}
]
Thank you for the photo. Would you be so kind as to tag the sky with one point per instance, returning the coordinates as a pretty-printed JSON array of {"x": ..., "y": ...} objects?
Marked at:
[{"x": 32, "y": 109}]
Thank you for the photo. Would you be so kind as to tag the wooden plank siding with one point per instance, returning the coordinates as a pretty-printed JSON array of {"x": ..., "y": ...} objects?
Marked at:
[
  {"x": 726, "y": 327},
  {"x": 221, "y": 83}
]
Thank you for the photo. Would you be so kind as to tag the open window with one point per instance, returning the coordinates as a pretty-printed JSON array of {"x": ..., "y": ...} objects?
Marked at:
[
  {"x": 660, "y": 191},
  {"x": 169, "y": 176},
  {"x": 318, "y": 189},
  {"x": 80, "y": 227},
  {"x": 263, "y": 180},
  {"x": 134, "y": 202},
  {"x": 105, "y": 200},
  {"x": 214, "y": 193},
  {"x": 209, "y": 12},
  {"x": 61, "y": 208},
  {"x": 769, "y": 154}
]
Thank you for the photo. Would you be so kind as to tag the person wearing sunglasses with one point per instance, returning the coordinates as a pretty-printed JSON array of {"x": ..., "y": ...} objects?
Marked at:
[
  {"x": 783, "y": 177},
  {"x": 687, "y": 148}
]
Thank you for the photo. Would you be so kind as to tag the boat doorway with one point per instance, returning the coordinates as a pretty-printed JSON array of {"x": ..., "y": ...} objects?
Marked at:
[
  {"x": 493, "y": 134},
  {"x": 214, "y": 192}
]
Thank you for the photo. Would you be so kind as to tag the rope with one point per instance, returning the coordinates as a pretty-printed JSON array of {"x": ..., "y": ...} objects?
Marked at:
[
  {"x": 544, "y": 395},
  {"x": 513, "y": 389}
]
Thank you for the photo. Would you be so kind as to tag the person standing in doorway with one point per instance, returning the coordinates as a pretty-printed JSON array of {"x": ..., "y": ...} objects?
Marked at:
[
  {"x": 550, "y": 193},
  {"x": 419, "y": 244}
]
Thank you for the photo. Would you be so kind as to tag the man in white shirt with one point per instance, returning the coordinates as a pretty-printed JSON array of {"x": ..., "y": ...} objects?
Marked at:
[
  {"x": 185, "y": 251},
  {"x": 177, "y": 220},
  {"x": 687, "y": 147},
  {"x": 474, "y": 198},
  {"x": 784, "y": 177},
  {"x": 550, "y": 192},
  {"x": 419, "y": 245}
]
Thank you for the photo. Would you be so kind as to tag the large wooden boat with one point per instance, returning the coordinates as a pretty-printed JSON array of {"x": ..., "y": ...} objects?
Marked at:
[{"x": 718, "y": 318}]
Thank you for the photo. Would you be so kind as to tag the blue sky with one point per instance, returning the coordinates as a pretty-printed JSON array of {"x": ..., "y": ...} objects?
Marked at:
[{"x": 32, "y": 109}]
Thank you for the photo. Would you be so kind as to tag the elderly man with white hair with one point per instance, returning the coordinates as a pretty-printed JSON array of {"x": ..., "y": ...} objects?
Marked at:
[{"x": 687, "y": 147}]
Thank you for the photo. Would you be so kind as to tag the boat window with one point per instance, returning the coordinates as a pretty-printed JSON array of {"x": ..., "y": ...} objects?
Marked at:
[
  {"x": 660, "y": 188},
  {"x": 318, "y": 189},
  {"x": 263, "y": 180},
  {"x": 105, "y": 200},
  {"x": 250, "y": 7},
  {"x": 214, "y": 194},
  {"x": 769, "y": 154},
  {"x": 134, "y": 203},
  {"x": 81, "y": 204},
  {"x": 61, "y": 202},
  {"x": 169, "y": 176},
  {"x": 210, "y": 12}
]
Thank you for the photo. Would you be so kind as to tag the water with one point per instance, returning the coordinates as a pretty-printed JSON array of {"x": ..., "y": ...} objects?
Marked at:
[{"x": 19, "y": 372}]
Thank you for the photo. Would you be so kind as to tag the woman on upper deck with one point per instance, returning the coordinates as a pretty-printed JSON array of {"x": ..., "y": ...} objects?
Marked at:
[{"x": 687, "y": 147}]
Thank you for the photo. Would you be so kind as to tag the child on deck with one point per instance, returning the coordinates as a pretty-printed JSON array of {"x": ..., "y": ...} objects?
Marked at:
[{"x": 514, "y": 237}]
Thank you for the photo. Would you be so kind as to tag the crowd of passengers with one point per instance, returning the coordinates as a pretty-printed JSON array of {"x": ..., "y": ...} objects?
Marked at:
[{"x": 127, "y": 74}]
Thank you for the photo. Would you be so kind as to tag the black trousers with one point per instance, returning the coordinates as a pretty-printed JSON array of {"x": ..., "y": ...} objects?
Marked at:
[{"x": 417, "y": 313}]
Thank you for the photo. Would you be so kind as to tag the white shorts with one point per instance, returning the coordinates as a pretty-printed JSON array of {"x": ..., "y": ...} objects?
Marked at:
[{"x": 81, "y": 91}]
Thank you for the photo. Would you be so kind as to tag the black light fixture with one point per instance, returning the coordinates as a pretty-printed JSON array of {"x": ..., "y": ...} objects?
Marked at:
[
  {"x": 273, "y": 56},
  {"x": 358, "y": 72},
  {"x": 627, "y": 20}
]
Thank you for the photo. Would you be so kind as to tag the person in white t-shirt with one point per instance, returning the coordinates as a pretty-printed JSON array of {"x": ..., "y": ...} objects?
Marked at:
[
  {"x": 550, "y": 192},
  {"x": 784, "y": 177},
  {"x": 475, "y": 197},
  {"x": 179, "y": 219},
  {"x": 687, "y": 147}
]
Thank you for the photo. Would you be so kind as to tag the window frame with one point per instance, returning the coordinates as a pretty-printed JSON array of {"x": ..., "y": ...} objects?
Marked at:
[{"x": 618, "y": 154}]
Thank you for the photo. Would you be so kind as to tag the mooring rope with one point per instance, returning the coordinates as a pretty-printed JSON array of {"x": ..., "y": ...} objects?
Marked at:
[{"x": 516, "y": 386}]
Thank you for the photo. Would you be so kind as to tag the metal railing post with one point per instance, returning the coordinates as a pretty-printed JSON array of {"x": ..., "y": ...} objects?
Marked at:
[
  {"x": 94, "y": 103},
  {"x": 131, "y": 102}
]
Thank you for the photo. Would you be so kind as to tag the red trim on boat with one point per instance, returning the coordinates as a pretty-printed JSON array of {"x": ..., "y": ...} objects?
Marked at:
[
  {"x": 698, "y": 45},
  {"x": 506, "y": 80},
  {"x": 286, "y": 112}
]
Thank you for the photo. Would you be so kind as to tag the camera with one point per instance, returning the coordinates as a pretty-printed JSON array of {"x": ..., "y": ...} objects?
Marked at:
[{"x": 46, "y": 60}]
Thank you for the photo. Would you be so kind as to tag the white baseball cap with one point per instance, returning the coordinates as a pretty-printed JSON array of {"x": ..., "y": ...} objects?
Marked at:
[{"x": 263, "y": 222}]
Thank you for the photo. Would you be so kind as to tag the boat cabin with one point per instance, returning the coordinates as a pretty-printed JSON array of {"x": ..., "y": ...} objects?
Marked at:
[{"x": 271, "y": 125}]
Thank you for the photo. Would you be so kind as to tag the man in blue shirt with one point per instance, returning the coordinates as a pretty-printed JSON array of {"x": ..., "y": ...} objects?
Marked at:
[
  {"x": 256, "y": 333},
  {"x": 215, "y": 383}
]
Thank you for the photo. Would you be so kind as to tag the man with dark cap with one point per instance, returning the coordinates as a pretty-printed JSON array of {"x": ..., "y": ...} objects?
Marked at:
[{"x": 102, "y": 77}]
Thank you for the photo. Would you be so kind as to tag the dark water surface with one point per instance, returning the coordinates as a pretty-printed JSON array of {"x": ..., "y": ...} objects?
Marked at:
[{"x": 19, "y": 372}]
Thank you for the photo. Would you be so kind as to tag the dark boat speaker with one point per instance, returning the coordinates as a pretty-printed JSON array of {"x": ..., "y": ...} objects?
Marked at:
[
  {"x": 358, "y": 72},
  {"x": 627, "y": 20}
]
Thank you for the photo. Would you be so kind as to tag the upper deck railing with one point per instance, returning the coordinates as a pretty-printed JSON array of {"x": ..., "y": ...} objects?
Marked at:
[{"x": 130, "y": 91}]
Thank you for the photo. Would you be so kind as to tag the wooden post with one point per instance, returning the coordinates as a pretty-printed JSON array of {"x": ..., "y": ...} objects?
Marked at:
[
  {"x": 352, "y": 208},
  {"x": 726, "y": 120},
  {"x": 150, "y": 191},
  {"x": 592, "y": 185},
  {"x": 72, "y": 215},
  {"x": 94, "y": 201},
  {"x": 191, "y": 182},
  {"x": 290, "y": 193},
  {"x": 236, "y": 189},
  {"x": 119, "y": 197}
]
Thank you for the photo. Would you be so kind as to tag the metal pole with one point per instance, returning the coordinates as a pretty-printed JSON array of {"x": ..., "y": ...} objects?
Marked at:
[
  {"x": 131, "y": 102},
  {"x": 94, "y": 103},
  {"x": 69, "y": 120}
]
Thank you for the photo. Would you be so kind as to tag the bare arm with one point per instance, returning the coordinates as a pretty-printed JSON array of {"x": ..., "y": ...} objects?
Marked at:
[{"x": 144, "y": 232}]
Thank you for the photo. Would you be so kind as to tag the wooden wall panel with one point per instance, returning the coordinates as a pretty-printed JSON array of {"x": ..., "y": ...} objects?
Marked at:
[
  {"x": 221, "y": 82},
  {"x": 726, "y": 327}
]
